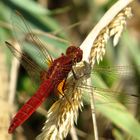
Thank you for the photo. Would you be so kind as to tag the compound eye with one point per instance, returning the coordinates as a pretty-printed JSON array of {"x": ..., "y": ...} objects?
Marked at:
[
  {"x": 79, "y": 55},
  {"x": 70, "y": 50}
]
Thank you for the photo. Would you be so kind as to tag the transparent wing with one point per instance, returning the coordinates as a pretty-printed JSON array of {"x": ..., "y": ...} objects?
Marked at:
[
  {"x": 127, "y": 92},
  {"x": 32, "y": 47},
  {"x": 109, "y": 96},
  {"x": 32, "y": 68},
  {"x": 116, "y": 71},
  {"x": 112, "y": 75},
  {"x": 23, "y": 33}
]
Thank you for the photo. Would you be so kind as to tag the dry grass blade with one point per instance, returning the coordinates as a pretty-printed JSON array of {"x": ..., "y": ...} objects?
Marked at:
[
  {"x": 5, "y": 107},
  {"x": 4, "y": 119},
  {"x": 114, "y": 29}
]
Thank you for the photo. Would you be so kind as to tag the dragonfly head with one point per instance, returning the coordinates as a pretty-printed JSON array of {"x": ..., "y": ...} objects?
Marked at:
[{"x": 75, "y": 53}]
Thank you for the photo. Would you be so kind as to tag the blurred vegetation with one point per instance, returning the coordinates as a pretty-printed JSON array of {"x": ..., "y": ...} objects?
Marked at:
[{"x": 56, "y": 18}]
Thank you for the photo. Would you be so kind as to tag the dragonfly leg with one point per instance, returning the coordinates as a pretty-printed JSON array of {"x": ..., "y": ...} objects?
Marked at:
[
  {"x": 61, "y": 87},
  {"x": 74, "y": 74}
]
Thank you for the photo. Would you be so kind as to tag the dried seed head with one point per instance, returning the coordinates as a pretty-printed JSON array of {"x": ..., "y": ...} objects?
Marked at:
[
  {"x": 60, "y": 118},
  {"x": 114, "y": 29}
]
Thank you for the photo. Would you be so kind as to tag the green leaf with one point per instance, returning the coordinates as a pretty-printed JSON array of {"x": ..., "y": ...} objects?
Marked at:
[
  {"x": 120, "y": 116},
  {"x": 31, "y": 6}
]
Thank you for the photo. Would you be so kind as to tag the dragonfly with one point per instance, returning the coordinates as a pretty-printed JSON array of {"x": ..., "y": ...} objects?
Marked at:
[
  {"x": 55, "y": 75},
  {"x": 51, "y": 77}
]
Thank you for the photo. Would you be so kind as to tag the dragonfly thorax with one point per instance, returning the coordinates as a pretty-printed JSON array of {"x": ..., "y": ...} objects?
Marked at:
[{"x": 75, "y": 53}]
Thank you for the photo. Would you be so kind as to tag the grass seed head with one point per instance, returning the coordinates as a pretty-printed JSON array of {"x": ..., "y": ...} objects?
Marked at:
[{"x": 114, "y": 29}]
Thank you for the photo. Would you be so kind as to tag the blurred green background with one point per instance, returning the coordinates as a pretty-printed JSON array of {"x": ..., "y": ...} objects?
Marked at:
[{"x": 64, "y": 23}]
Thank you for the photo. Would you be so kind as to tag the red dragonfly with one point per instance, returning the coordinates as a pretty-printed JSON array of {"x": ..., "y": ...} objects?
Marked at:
[
  {"x": 50, "y": 79},
  {"x": 56, "y": 74}
]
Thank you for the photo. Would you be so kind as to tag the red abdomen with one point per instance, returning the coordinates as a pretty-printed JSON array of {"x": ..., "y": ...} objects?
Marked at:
[{"x": 32, "y": 104}]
